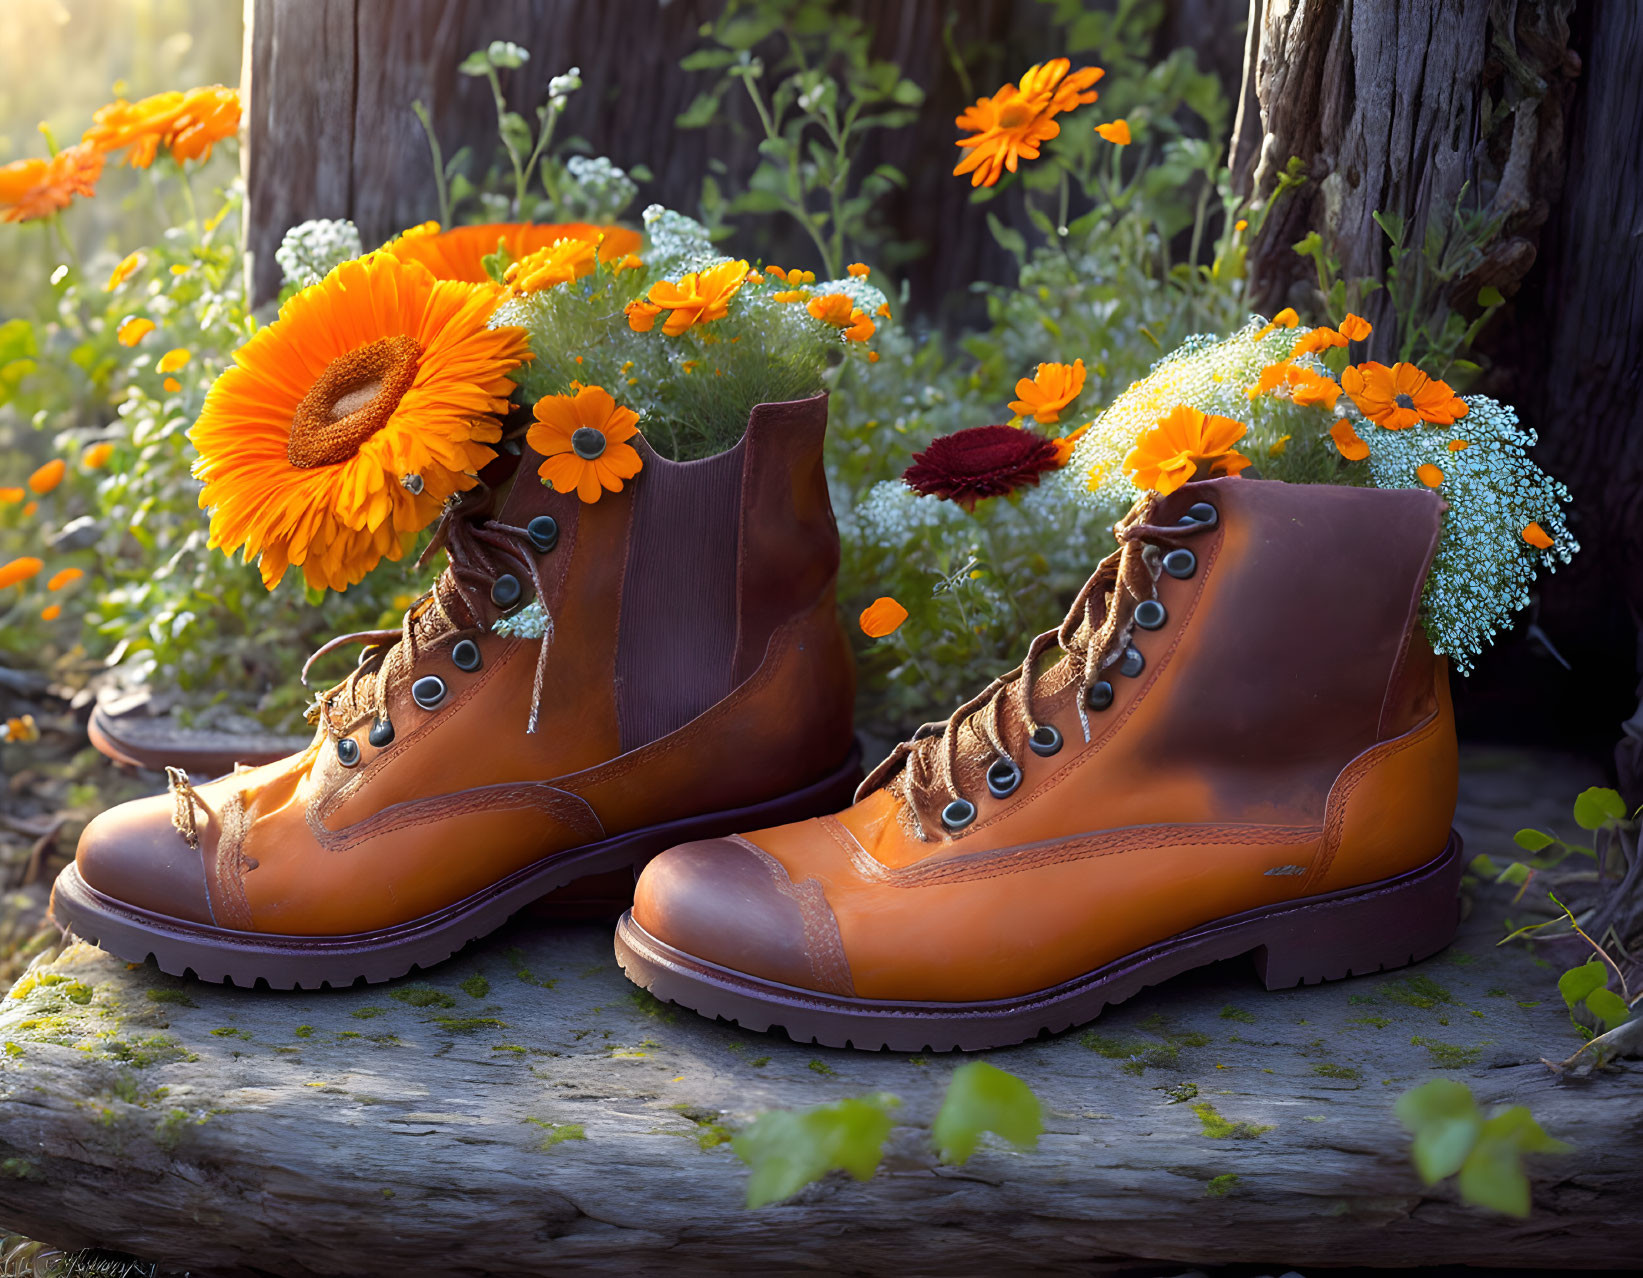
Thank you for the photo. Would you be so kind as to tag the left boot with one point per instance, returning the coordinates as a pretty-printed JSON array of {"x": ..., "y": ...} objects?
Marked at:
[{"x": 1245, "y": 748}]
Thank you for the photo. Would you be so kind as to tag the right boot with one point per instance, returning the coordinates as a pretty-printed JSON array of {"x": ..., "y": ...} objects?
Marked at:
[{"x": 694, "y": 681}]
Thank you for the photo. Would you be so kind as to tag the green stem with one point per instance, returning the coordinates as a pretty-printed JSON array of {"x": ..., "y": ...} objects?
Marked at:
[
  {"x": 441, "y": 188},
  {"x": 68, "y": 244},
  {"x": 795, "y": 198},
  {"x": 542, "y": 141},
  {"x": 188, "y": 199}
]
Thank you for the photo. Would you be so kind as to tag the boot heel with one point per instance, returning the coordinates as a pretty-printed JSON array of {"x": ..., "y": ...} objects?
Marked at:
[{"x": 1368, "y": 929}]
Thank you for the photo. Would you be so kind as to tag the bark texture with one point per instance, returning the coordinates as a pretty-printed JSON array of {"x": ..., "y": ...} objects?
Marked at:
[
  {"x": 1528, "y": 112},
  {"x": 542, "y": 1119}
]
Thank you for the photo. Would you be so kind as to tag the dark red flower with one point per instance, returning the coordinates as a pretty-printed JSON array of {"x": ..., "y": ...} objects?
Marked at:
[{"x": 984, "y": 461}]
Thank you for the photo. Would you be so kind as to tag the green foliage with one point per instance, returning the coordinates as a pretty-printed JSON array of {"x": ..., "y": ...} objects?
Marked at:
[
  {"x": 1598, "y": 807},
  {"x": 787, "y": 1151},
  {"x": 983, "y": 1098},
  {"x": 818, "y": 92},
  {"x": 1218, "y": 1127},
  {"x": 1587, "y": 986},
  {"x": 1452, "y": 1138}
]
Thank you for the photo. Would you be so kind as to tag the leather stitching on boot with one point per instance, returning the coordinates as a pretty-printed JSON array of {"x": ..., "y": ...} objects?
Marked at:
[{"x": 570, "y": 809}]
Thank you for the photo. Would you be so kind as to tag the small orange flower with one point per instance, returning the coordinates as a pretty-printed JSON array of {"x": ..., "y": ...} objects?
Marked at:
[
  {"x": 19, "y": 570},
  {"x": 1355, "y": 328},
  {"x": 561, "y": 262},
  {"x": 1534, "y": 534},
  {"x": 123, "y": 272},
  {"x": 51, "y": 612},
  {"x": 10, "y": 496},
  {"x": 1050, "y": 389},
  {"x": 1306, "y": 387},
  {"x": 1346, "y": 439},
  {"x": 47, "y": 477},
  {"x": 30, "y": 509},
  {"x": 33, "y": 189},
  {"x": 96, "y": 457},
  {"x": 1401, "y": 396},
  {"x": 171, "y": 385},
  {"x": 882, "y": 617},
  {"x": 883, "y": 311},
  {"x": 839, "y": 311},
  {"x": 1242, "y": 224},
  {"x": 699, "y": 298},
  {"x": 1286, "y": 318},
  {"x": 858, "y": 269},
  {"x": 794, "y": 276},
  {"x": 1186, "y": 445},
  {"x": 64, "y": 577},
  {"x": 584, "y": 439},
  {"x": 641, "y": 315},
  {"x": 1429, "y": 475},
  {"x": 173, "y": 359},
  {"x": 1317, "y": 339},
  {"x": 872, "y": 357},
  {"x": 134, "y": 329},
  {"x": 20, "y": 728},
  {"x": 791, "y": 295},
  {"x": 187, "y": 124},
  {"x": 1065, "y": 445},
  {"x": 1456, "y": 445},
  {"x": 1117, "y": 132},
  {"x": 1015, "y": 122}
]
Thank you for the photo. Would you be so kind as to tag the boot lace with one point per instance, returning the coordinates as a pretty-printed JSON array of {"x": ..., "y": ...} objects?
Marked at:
[
  {"x": 1094, "y": 636},
  {"x": 478, "y": 550}
]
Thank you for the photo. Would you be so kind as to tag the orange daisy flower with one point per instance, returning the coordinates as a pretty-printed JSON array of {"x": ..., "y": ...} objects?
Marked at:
[
  {"x": 1286, "y": 318},
  {"x": 343, "y": 426},
  {"x": 1065, "y": 445},
  {"x": 1353, "y": 329},
  {"x": 1050, "y": 389},
  {"x": 641, "y": 315},
  {"x": 19, "y": 570},
  {"x": 1401, "y": 396},
  {"x": 11, "y": 496},
  {"x": 838, "y": 310},
  {"x": 96, "y": 457},
  {"x": 460, "y": 253},
  {"x": 1015, "y": 122},
  {"x": 33, "y": 189},
  {"x": 858, "y": 269},
  {"x": 584, "y": 439},
  {"x": 1186, "y": 445},
  {"x": 51, "y": 612},
  {"x": 187, "y": 124},
  {"x": 1306, "y": 387},
  {"x": 63, "y": 578},
  {"x": 562, "y": 262},
  {"x": 699, "y": 298},
  {"x": 47, "y": 477},
  {"x": 882, "y": 617},
  {"x": 134, "y": 329}
]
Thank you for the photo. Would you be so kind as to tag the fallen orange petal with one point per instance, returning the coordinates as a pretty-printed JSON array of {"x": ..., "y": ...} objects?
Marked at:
[
  {"x": 1347, "y": 441},
  {"x": 1536, "y": 536},
  {"x": 1429, "y": 475},
  {"x": 882, "y": 617}
]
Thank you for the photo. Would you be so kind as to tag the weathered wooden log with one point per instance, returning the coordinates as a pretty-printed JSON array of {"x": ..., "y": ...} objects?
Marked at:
[
  {"x": 1525, "y": 113},
  {"x": 520, "y": 1110}
]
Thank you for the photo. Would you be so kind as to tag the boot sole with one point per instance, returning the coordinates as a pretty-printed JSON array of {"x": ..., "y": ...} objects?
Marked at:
[
  {"x": 1352, "y": 932},
  {"x": 281, "y": 962}
]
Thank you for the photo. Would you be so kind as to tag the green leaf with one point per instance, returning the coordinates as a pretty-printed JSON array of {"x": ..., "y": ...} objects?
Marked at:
[
  {"x": 699, "y": 114},
  {"x": 1608, "y": 1007},
  {"x": 1516, "y": 874},
  {"x": 1489, "y": 295},
  {"x": 707, "y": 60},
  {"x": 476, "y": 63},
  {"x": 1492, "y": 1176},
  {"x": 1597, "y": 806},
  {"x": 1533, "y": 840},
  {"x": 1483, "y": 865},
  {"x": 787, "y": 1150},
  {"x": 1445, "y": 1122},
  {"x": 1012, "y": 240},
  {"x": 1578, "y": 982},
  {"x": 982, "y": 1098}
]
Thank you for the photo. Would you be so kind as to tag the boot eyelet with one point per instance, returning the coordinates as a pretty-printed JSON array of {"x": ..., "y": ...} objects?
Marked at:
[
  {"x": 1200, "y": 513},
  {"x": 465, "y": 655},
  {"x": 1002, "y": 779},
  {"x": 505, "y": 590},
  {"x": 958, "y": 814},
  {"x": 1132, "y": 664},
  {"x": 1098, "y": 696},
  {"x": 1180, "y": 563},
  {"x": 381, "y": 733},
  {"x": 543, "y": 532},
  {"x": 347, "y": 751},
  {"x": 1150, "y": 614},
  {"x": 428, "y": 692},
  {"x": 1045, "y": 741}
]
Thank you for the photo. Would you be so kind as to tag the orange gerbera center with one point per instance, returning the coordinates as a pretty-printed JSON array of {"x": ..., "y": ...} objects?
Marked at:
[{"x": 352, "y": 400}]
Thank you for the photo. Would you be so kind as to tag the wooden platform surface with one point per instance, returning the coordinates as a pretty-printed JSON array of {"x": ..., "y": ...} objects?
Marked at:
[{"x": 521, "y": 1110}]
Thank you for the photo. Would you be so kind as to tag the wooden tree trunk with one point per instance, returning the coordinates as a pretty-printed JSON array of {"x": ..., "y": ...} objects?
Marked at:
[{"x": 1408, "y": 106}]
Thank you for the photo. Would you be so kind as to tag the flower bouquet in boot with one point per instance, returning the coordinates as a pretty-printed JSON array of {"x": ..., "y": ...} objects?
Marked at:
[
  {"x": 633, "y": 640},
  {"x": 1238, "y": 741}
]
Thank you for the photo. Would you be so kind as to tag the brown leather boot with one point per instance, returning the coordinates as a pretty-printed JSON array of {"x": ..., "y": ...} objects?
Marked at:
[
  {"x": 1246, "y": 748},
  {"x": 695, "y": 681}
]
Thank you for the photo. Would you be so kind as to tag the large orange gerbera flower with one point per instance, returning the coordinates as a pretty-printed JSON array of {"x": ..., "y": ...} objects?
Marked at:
[
  {"x": 187, "y": 124},
  {"x": 1401, "y": 396},
  {"x": 36, "y": 188},
  {"x": 460, "y": 253},
  {"x": 584, "y": 439},
  {"x": 1188, "y": 444},
  {"x": 700, "y": 297},
  {"x": 345, "y": 424},
  {"x": 1012, "y": 124}
]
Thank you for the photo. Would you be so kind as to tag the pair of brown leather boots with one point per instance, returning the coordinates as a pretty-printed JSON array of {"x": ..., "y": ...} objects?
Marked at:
[{"x": 1237, "y": 742}]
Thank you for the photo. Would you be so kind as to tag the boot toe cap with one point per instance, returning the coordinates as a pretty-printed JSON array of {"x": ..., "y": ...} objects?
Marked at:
[
  {"x": 135, "y": 855},
  {"x": 731, "y": 904}
]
